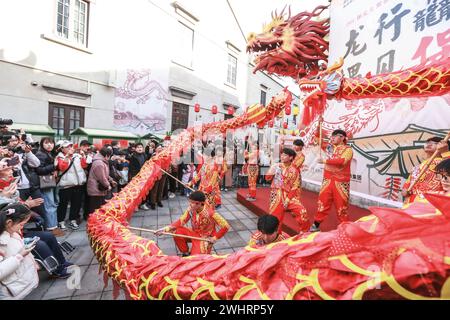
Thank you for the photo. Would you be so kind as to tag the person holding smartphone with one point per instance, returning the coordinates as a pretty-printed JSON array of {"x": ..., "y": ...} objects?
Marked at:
[{"x": 18, "y": 269}]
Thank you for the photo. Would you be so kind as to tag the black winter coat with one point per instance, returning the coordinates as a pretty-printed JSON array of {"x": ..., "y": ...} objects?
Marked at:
[{"x": 47, "y": 163}]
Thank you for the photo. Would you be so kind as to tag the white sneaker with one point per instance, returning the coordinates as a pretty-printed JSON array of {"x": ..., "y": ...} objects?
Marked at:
[
  {"x": 171, "y": 195},
  {"x": 144, "y": 207},
  {"x": 73, "y": 225},
  {"x": 62, "y": 225}
]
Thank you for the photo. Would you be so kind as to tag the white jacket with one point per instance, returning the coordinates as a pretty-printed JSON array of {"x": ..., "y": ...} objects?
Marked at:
[
  {"x": 18, "y": 275},
  {"x": 75, "y": 176}
]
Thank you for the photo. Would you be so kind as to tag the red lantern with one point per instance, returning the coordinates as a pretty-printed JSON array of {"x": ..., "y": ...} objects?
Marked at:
[
  {"x": 271, "y": 123},
  {"x": 230, "y": 111},
  {"x": 214, "y": 109},
  {"x": 287, "y": 110},
  {"x": 285, "y": 125},
  {"x": 197, "y": 107}
]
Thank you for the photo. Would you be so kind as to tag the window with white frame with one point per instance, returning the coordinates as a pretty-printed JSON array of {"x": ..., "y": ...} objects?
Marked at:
[
  {"x": 232, "y": 70},
  {"x": 262, "y": 99},
  {"x": 72, "y": 21},
  {"x": 185, "y": 45}
]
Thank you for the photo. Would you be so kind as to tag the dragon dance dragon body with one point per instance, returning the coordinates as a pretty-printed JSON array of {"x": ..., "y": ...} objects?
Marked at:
[{"x": 396, "y": 254}]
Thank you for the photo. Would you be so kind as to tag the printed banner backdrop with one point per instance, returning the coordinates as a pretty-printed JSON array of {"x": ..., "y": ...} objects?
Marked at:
[
  {"x": 141, "y": 102},
  {"x": 376, "y": 37},
  {"x": 142, "y": 71}
]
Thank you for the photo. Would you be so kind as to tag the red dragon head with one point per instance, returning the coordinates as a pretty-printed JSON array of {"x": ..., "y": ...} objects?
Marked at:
[{"x": 292, "y": 46}]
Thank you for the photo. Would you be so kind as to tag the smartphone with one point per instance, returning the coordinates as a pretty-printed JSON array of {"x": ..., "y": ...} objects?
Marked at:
[
  {"x": 30, "y": 242},
  {"x": 13, "y": 161}
]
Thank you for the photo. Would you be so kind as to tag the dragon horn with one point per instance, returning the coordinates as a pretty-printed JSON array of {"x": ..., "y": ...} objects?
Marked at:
[{"x": 282, "y": 11}]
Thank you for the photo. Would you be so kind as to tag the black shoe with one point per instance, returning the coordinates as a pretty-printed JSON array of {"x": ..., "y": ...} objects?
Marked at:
[
  {"x": 153, "y": 206},
  {"x": 160, "y": 204},
  {"x": 185, "y": 254}
]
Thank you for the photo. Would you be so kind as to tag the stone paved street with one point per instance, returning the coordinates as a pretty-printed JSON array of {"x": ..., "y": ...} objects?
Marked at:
[{"x": 242, "y": 221}]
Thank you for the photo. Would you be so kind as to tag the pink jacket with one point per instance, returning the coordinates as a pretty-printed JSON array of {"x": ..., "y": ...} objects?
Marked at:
[{"x": 99, "y": 174}]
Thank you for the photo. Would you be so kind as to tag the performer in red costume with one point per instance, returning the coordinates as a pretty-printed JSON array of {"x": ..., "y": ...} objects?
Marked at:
[
  {"x": 428, "y": 182},
  {"x": 208, "y": 176},
  {"x": 204, "y": 221},
  {"x": 222, "y": 168},
  {"x": 336, "y": 180},
  {"x": 284, "y": 191},
  {"x": 298, "y": 162},
  {"x": 252, "y": 169},
  {"x": 267, "y": 232}
]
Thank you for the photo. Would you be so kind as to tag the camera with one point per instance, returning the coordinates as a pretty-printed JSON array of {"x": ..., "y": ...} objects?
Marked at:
[{"x": 5, "y": 122}]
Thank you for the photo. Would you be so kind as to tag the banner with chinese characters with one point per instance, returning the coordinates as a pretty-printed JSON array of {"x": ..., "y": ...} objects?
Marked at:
[{"x": 383, "y": 36}]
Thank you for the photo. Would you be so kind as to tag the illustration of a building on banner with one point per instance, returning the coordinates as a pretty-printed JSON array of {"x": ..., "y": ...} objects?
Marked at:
[
  {"x": 141, "y": 103},
  {"x": 391, "y": 157}
]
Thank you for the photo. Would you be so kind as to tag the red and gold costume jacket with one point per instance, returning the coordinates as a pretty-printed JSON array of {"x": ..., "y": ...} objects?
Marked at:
[
  {"x": 338, "y": 166},
  {"x": 208, "y": 177},
  {"x": 285, "y": 185},
  {"x": 299, "y": 160},
  {"x": 256, "y": 240},
  {"x": 427, "y": 183},
  {"x": 204, "y": 223}
]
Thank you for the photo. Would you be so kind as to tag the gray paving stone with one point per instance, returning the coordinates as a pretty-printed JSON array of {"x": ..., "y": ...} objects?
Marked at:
[
  {"x": 150, "y": 221},
  {"x": 151, "y": 213},
  {"x": 60, "y": 287},
  {"x": 91, "y": 296},
  {"x": 227, "y": 215},
  {"x": 91, "y": 282},
  {"x": 108, "y": 295},
  {"x": 137, "y": 222},
  {"x": 249, "y": 223},
  {"x": 249, "y": 214},
  {"x": 230, "y": 207},
  {"x": 234, "y": 239},
  {"x": 164, "y": 220},
  {"x": 140, "y": 213},
  {"x": 240, "y": 206},
  {"x": 163, "y": 211},
  {"x": 236, "y": 225},
  {"x": 221, "y": 244},
  {"x": 166, "y": 244},
  {"x": 82, "y": 256},
  {"x": 246, "y": 235},
  {"x": 239, "y": 215},
  {"x": 78, "y": 238}
]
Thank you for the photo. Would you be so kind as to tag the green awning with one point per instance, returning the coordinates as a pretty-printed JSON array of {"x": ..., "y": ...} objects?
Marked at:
[
  {"x": 152, "y": 136},
  {"x": 33, "y": 128},
  {"x": 101, "y": 133}
]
